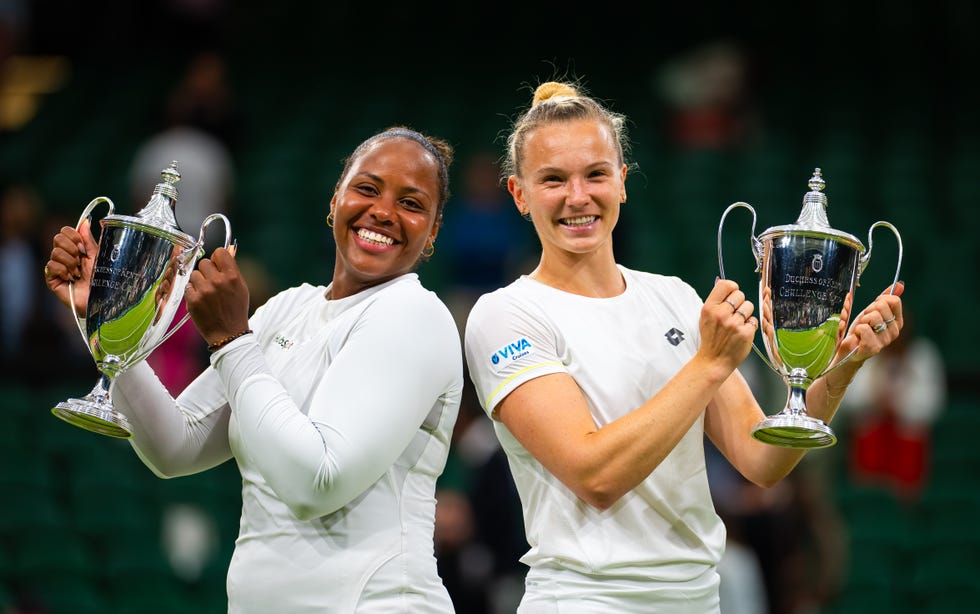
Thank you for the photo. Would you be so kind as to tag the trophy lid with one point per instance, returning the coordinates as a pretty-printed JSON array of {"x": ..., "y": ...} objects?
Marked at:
[
  {"x": 157, "y": 216},
  {"x": 813, "y": 217},
  {"x": 159, "y": 211}
]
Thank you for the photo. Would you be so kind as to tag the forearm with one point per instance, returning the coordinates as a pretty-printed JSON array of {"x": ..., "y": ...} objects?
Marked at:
[
  {"x": 173, "y": 437},
  {"x": 315, "y": 463},
  {"x": 623, "y": 453},
  {"x": 824, "y": 396}
]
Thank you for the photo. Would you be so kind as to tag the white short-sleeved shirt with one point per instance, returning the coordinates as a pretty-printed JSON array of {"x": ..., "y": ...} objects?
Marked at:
[
  {"x": 621, "y": 351},
  {"x": 339, "y": 415}
]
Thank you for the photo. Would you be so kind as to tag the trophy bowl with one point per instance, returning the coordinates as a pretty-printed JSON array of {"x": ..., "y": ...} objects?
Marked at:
[
  {"x": 808, "y": 273},
  {"x": 141, "y": 269}
]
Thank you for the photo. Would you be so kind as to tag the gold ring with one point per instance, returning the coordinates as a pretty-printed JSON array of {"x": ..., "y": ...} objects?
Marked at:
[{"x": 47, "y": 274}]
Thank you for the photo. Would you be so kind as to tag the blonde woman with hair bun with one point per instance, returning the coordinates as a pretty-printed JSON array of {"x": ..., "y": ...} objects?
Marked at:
[{"x": 602, "y": 382}]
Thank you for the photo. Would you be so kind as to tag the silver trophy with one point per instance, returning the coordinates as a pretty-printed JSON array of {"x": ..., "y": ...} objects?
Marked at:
[
  {"x": 140, "y": 273},
  {"x": 807, "y": 275}
]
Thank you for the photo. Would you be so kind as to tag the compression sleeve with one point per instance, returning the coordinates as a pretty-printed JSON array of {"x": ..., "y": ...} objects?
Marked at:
[
  {"x": 174, "y": 437},
  {"x": 397, "y": 362}
]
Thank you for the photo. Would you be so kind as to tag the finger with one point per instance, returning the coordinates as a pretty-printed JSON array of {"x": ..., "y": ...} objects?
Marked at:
[
  {"x": 206, "y": 267},
  {"x": 721, "y": 290},
  {"x": 223, "y": 259},
  {"x": 88, "y": 246},
  {"x": 898, "y": 289},
  {"x": 735, "y": 299},
  {"x": 745, "y": 309},
  {"x": 64, "y": 264}
]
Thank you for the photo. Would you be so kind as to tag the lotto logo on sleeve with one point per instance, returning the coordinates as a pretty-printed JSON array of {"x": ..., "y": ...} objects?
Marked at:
[{"x": 509, "y": 353}]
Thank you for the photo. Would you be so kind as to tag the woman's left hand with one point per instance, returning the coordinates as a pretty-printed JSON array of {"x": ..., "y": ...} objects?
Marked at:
[
  {"x": 875, "y": 327},
  {"x": 217, "y": 297}
]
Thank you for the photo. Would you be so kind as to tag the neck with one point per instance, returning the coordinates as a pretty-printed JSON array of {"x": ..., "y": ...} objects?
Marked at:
[{"x": 594, "y": 274}]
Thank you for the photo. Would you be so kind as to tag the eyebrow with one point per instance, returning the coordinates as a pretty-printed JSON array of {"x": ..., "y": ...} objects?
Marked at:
[
  {"x": 408, "y": 190},
  {"x": 544, "y": 170}
]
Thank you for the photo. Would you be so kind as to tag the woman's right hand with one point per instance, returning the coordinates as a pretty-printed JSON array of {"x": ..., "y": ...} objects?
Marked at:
[
  {"x": 727, "y": 325},
  {"x": 72, "y": 262}
]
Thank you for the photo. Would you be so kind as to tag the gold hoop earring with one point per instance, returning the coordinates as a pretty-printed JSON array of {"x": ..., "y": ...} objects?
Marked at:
[
  {"x": 330, "y": 220},
  {"x": 428, "y": 250}
]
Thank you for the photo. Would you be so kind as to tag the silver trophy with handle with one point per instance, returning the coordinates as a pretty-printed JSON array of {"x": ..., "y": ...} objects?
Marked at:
[
  {"x": 808, "y": 272},
  {"x": 141, "y": 269}
]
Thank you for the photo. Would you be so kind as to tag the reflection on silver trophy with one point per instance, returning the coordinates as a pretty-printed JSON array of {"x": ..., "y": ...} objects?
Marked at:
[
  {"x": 138, "y": 282},
  {"x": 807, "y": 275}
]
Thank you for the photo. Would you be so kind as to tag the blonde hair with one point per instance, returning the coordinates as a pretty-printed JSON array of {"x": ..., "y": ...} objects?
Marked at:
[{"x": 554, "y": 102}]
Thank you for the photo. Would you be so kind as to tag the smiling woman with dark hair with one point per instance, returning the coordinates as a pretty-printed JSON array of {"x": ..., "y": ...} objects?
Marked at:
[{"x": 336, "y": 402}]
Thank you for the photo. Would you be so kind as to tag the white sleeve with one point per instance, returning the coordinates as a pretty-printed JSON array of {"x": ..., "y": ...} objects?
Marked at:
[
  {"x": 506, "y": 346},
  {"x": 399, "y": 359},
  {"x": 174, "y": 437}
]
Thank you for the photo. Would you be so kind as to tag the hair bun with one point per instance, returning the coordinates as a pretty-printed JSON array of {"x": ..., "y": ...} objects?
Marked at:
[{"x": 552, "y": 89}]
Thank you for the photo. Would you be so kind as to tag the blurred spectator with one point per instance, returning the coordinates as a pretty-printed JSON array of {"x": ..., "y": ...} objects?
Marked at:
[
  {"x": 892, "y": 404},
  {"x": 483, "y": 235},
  {"x": 33, "y": 326},
  {"x": 788, "y": 538},
  {"x": 791, "y": 533},
  {"x": 707, "y": 92},
  {"x": 200, "y": 131},
  {"x": 20, "y": 262}
]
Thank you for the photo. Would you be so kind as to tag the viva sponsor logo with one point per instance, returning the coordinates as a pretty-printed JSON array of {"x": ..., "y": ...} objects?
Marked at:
[{"x": 511, "y": 351}]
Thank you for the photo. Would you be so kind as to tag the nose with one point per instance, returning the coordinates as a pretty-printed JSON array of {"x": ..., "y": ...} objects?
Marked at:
[
  {"x": 382, "y": 210},
  {"x": 577, "y": 192}
]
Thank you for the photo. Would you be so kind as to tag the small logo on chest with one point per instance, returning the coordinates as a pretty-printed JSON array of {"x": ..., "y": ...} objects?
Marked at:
[
  {"x": 283, "y": 342},
  {"x": 674, "y": 336}
]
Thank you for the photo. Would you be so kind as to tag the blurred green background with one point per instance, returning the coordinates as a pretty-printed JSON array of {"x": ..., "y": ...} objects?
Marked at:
[{"x": 883, "y": 100}]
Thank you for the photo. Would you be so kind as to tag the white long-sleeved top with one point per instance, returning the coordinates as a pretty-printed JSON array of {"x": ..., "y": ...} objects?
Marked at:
[{"x": 339, "y": 415}]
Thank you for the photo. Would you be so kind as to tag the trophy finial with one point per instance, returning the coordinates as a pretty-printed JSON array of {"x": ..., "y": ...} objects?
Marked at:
[
  {"x": 171, "y": 175},
  {"x": 814, "y": 213},
  {"x": 816, "y": 182},
  {"x": 159, "y": 211}
]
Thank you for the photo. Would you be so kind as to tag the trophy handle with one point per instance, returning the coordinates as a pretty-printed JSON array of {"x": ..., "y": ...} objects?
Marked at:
[
  {"x": 756, "y": 246},
  {"x": 866, "y": 258},
  {"x": 71, "y": 294},
  {"x": 195, "y": 253},
  {"x": 863, "y": 264}
]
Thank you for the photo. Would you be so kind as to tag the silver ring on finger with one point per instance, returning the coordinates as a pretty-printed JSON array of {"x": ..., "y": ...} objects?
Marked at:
[
  {"x": 731, "y": 303},
  {"x": 880, "y": 328},
  {"x": 889, "y": 321},
  {"x": 745, "y": 318}
]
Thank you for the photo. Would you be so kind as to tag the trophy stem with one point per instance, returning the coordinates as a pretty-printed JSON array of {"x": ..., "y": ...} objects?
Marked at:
[
  {"x": 94, "y": 412},
  {"x": 792, "y": 427}
]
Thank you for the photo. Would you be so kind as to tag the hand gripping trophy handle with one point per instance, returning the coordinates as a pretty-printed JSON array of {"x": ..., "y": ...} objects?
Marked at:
[
  {"x": 141, "y": 268},
  {"x": 807, "y": 275},
  {"x": 199, "y": 245},
  {"x": 756, "y": 247}
]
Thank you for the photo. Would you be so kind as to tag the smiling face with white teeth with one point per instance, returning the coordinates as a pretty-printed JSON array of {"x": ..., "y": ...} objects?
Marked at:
[
  {"x": 385, "y": 213},
  {"x": 572, "y": 182}
]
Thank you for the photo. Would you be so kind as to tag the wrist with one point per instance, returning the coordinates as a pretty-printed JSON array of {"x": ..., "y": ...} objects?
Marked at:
[{"x": 217, "y": 345}]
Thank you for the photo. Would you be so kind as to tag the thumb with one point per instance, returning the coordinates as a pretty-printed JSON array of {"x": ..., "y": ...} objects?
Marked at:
[{"x": 89, "y": 246}]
